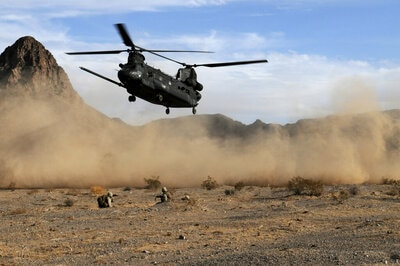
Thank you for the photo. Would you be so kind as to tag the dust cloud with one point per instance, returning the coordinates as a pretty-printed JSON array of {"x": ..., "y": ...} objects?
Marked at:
[
  {"x": 354, "y": 95},
  {"x": 51, "y": 143}
]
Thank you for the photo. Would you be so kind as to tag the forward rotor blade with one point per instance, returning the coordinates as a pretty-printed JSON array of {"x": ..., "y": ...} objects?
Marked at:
[
  {"x": 177, "y": 51},
  {"x": 162, "y": 56},
  {"x": 99, "y": 52},
  {"x": 142, "y": 50},
  {"x": 124, "y": 35},
  {"x": 223, "y": 64}
]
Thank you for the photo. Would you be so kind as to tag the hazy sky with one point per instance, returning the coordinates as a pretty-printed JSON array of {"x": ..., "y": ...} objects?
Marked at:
[{"x": 325, "y": 56}]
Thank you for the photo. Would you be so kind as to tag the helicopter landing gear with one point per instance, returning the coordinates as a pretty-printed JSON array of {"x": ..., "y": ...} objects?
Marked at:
[
  {"x": 194, "y": 111},
  {"x": 132, "y": 98},
  {"x": 167, "y": 111}
]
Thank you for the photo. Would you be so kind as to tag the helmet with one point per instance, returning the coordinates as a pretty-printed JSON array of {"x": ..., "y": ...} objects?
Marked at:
[
  {"x": 164, "y": 189},
  {"x": 110, "y": 194}
]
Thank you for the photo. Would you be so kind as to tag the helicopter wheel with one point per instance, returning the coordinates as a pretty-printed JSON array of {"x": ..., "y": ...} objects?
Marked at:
[
  {"x": 194, "y": 110},
  {"x": 132, "y": 98},
  {"x": 167, "y": 111}
]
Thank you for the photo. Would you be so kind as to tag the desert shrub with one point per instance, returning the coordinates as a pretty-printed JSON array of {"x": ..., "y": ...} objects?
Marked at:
[
  {"x": 153, "y": 183},
  {"x": 395, "y": 186},
  {"x": 394, "y": 191},
  {"x": 12, "y": 186},
  {"x": 341, "y": 196},
  {"x": 229, "y": 192},
  {"x": 98, "y": 190},
  {"x": 354, "y": 190},
  {"x": 239, "y": 185},
  {"x": 209, "y": 183},
  {"x": 69, "y": 203},
  {"x": 388, "y": 181},
  {"x": 302, "y": 186}
]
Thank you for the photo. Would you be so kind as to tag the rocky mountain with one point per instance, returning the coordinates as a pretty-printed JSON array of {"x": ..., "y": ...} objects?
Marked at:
[
  {"x": 28, "y": 69},
  {"x": 50, "y": 138}
]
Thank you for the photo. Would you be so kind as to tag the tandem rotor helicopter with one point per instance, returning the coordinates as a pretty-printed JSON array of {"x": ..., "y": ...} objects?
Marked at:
[{"x": 153, "y": 85}]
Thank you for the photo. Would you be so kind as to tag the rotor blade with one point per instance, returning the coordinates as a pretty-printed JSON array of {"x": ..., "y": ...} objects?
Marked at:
[
  {"x": 232, "y": 63},
  {"x": 177, "y": 51},
  {"x": 168, "y": 58},
  {"x": 99, "y": 52},
  {"x": 124, "y": 35},
  {"x": 128, "y": 50},
  {"x": 162, "y": 56},
  {"x": 101, "y": 76}
]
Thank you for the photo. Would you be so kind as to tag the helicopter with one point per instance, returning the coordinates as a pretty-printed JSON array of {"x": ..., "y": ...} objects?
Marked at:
[{"x": 151, "y": 84}]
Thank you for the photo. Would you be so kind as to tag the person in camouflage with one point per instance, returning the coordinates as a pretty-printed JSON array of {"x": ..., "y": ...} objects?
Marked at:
[
  {"x": 165, "y": 196},
  {"x": 105, "y": 201}
]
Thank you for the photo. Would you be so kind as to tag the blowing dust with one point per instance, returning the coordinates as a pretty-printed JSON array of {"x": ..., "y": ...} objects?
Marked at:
[{"x": 54, "y": 144}]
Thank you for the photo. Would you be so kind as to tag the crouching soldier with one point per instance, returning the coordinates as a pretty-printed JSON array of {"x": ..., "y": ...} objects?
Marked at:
[
  {"x": 106, "y": 200},
  {"x": 165, "y": 196}
]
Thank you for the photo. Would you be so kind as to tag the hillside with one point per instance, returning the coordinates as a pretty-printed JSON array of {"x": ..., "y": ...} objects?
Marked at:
[
  {"x": 336, "y": 149},
  {"x": 50, "y": 137}
]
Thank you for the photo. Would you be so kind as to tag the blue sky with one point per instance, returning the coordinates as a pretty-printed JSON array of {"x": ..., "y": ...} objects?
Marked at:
[{"x": 325, "y": 56}]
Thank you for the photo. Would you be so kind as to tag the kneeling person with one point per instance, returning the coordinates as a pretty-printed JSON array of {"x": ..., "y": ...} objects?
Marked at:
[
  {"x": 165, "y": 196},
  {"x": 105, "y": 201}
]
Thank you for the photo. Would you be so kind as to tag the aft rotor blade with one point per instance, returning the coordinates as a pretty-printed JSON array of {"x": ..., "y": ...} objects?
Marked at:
[
  {"x": 124, "y": 35},
  {"x": 224, "y": 64},
  {"x": 99, "y": 52}
]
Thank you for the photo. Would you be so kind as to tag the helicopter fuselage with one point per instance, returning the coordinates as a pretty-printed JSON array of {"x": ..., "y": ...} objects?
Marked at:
[{"x": 154, "y": 86}]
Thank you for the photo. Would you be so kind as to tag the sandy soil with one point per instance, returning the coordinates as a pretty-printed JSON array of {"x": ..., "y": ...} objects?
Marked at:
[{"x": 257, "y": 225}]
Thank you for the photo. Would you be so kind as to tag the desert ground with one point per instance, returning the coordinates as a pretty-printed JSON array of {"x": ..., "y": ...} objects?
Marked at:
[{"x": 345, "y": 225}]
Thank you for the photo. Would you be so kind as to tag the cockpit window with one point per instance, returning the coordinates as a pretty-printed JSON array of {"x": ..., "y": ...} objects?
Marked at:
[
  {"x": 187, "y": 75},
  {"x": 183, "y": 74}
]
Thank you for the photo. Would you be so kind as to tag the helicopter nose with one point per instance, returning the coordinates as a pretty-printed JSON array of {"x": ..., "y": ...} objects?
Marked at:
[
  {"x": 123, "y": 76},
  {"x": 126, "y": 75}
]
